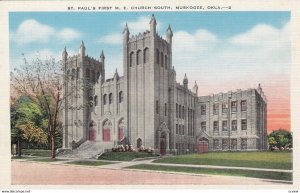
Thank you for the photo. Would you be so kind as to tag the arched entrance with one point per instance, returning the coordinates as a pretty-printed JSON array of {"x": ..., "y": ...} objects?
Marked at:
[
  {"x": 203, "y": 145},
  {"x": 163, "y": 139},
  {"x": 106, "y": 130},
  {"x": 163, "y": 145},
  {"x": 92, "y": 131}
]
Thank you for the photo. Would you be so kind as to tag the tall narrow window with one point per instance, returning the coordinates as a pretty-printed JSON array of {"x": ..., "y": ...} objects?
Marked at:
[
  {"x": 157, "y": 107},
  {"x": 93, "y": 75},
  {"x": 203, "y": 126},
  {"x": 176, "y": 128},
  {"x": 104, "y": 99},
  {"x": 166, "y": 109},
  {"x": 162, "y": 59},
  {"x": 224, "y": 126},
  {"x": 179, "y": 111},
  {"x": 87, "y": 73},
  {"x": 216, "y": 126},
  {"x": 183, "y": 115},
  {"x": 216, "y": 108},
  {"x": 243, "y": 105},
  {"x": 157, "y": 56},
  {"x": 233, "y": 106},
  {"x": 139, "y": 57},
  {"x": 166, "y": 62},
  {"x": 224, "y": 107},
  {"x": 77, "y": 73},
  {"x": 203, "y": 109},
  {"x": 96, "y": 100},
  {"x": 233, "y": 125},
  {"x": 110, "y": 98},
  {"x": 146, "y": 55},
  {"x": 244, "y": 124},
  {"x": 120, "y": 96},
  {"x": 176, "y": 110},
  {"x": 131, "y": 59}
]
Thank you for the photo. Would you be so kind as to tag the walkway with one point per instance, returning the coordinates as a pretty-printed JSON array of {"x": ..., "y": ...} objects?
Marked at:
[{"x": 29, "y": 173}]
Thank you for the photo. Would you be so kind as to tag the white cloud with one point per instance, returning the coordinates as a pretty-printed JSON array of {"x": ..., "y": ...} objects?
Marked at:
[
  {"x": 115, "y": 39},
  {"x": 68, "y": 34},
  {"x": 140, "y": 25},
  {"x": 253, "y": 54},
  {"x": 33, "y": 31}
]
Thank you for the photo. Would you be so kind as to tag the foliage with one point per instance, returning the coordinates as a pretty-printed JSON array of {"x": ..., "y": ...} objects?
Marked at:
[
  {"x": 42, "y": 82},
  {"x": 272, "y": 160},
  {"x": 27, "y": 122},
  {"x": 280, "y": 140}
]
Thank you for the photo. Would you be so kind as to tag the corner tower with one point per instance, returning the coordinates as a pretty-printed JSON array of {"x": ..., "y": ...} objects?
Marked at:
[{"x": 147, "y": 68}]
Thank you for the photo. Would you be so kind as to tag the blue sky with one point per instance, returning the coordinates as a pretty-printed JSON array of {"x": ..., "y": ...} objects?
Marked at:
[{"x": 226, "y": 44}]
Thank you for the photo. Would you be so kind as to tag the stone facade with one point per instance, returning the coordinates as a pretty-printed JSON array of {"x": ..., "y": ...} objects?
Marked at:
[{"x": 147, "y": 106}]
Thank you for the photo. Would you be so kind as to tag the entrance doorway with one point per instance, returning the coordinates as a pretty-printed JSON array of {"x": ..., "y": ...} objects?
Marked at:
[
  {"x": 92, "y": 131},
  {"x": 163, "y": 144},
  {"x": 203, "y": 145}
]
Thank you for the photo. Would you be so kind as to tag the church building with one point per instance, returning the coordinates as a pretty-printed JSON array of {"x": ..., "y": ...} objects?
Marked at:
[{"x": 146, "y": 106}]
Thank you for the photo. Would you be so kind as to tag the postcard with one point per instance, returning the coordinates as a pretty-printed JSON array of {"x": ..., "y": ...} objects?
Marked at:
[{"x": 196, "y": 94}]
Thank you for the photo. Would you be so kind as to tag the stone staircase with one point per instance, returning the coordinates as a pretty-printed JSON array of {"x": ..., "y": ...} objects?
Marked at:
[{"x": 86, "y": 150}]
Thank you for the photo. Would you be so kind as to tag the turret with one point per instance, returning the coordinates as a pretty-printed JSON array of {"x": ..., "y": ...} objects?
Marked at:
[
  {"x": 153, "y": 25},
  {"x": 116, "y": 75},
  {"x": 102, "y": 58},
  {"x": 185, "y": 81},
  {"x": 126, "y": 33},
  {"x": 82, "y": 49},
  {"x": 169, "y": 35},
  {"x": 259, "y": 89},
  {"x": 65, "y": 55},
  {"x": 195, "y": 88}
]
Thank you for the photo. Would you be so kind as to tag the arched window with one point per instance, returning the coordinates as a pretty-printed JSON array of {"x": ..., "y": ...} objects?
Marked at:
[
  {"x": 96, "y": 100},
  {"x": 110, "y": 98},
  {"x": 87, "y": 73},
  {"x": 93, "y": 75},
  {"x": 98, "y": 75},
  {"x": 166, "y": 62},
  {"x": 131, "y": 59},
  {"x": 104, "y": 99},
  {"x": 77, "y": 73},
  {"x": 162, "y": 59},
  {"x": 157, "y": 56},
  {"x": 139, "y": 57},
  {"x": 73, "y": 73},
  {"x": 146, "y": 55},
  {"x": 120, "y": 96}
]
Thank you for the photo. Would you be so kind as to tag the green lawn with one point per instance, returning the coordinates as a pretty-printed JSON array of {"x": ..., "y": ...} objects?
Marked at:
[
  {"x": 226, "y": 172},
  {"x": 272, "y": 160},
  {"x": 90, "y": 163},
  {"x": 36, "y": 152},
  {"x": 46, "y": 160},
  {"x": 124, "y": 156}
]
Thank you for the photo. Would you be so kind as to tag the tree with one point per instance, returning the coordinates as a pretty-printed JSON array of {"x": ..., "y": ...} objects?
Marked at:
[
  {"x": 280, "y": 139},
  {"x": 27, "y": 122},
  {"x": 42, "y": 81}
]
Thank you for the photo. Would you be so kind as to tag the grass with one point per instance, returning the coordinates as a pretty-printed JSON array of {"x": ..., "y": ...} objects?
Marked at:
[
  {"x": 22, "y": 157},
  {"x": 90, "y": 163},
  {"x": 36, "y": 152},
  {"x": 123, "y": 156},
  {"x": 46, "y": 160},
  {"x": 270, "y": 160},
  {"x": 226, "y": 172}
]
